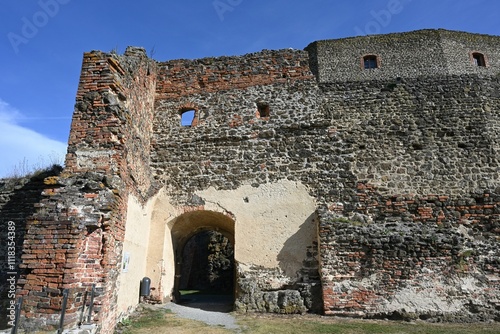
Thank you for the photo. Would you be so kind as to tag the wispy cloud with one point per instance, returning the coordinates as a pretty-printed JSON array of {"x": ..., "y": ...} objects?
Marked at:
[{"x": 23, "y": 147}]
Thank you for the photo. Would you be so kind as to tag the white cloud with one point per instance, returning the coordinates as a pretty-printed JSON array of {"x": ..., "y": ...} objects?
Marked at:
[{"x": 23, "y": 149}]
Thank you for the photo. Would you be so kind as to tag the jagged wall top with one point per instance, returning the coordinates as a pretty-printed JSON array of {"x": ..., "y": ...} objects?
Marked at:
[{"x": 411, "y": 54}]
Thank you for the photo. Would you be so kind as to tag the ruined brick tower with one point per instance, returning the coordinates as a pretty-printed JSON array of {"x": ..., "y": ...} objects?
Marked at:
[{"x": 357, "y": 177}]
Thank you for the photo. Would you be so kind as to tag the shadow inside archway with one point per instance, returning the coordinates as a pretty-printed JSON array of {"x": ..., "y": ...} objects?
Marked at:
[
  {"x": 207, "y": 301},
  {"x": 207, "y": 270},
  {"x": 203, "y": 244}
]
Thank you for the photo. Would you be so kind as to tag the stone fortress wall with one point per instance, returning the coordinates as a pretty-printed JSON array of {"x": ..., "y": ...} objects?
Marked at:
[
  {"x": 404, "y": 55},
  {"x": 345, "y": 191}
]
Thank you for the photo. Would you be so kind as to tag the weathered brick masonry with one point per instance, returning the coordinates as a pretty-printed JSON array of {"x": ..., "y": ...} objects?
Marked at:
[
  {"x": 400, "y": 161},
  {"x": 18, "y": 198},
  {"x": 74, "y": 238}
]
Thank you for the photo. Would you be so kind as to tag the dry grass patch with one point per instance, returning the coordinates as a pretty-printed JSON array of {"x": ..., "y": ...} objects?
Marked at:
[
  {"x": 260, "y": 324},
  {"x": 161, "y": 321}
]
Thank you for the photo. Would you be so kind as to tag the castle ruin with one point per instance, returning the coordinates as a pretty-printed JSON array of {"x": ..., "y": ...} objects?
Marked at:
[{"x": 358, "y": 177}]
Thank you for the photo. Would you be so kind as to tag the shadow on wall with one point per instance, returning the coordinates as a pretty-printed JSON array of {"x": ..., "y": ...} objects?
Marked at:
[
  {"x": 300, "y": 251},
  {"x": 298, "y": 259}
]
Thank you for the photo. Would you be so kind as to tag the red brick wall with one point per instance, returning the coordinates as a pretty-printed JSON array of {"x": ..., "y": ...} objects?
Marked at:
[
  {"x": 179, "y": 78},
  {"x": 411, "y": 239}
]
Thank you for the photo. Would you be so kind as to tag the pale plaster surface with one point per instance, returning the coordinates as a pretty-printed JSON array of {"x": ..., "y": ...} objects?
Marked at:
[
  {"x": 148, "y": 241},
  {"x": 426, "y": 294},
  {"x": 160, "y": 261},
  {"x": 274, "y": 223},
  {"x": 135, "y": 244}
]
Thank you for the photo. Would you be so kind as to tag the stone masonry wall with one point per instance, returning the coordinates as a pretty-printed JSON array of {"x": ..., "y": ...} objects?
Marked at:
[
  {"x": 65, "y": 249},
  {"x": 416, "y": 234},
  {"x": 433, "y": 258},
  {"x": 420, "y": 136},
  {"x": 112, "y": 122},
  {"x": 423, "y": 139},
  {"x": 231, "y": 145},
  {"x": 177, "y": 78},
  {"x": 403, "y": 55},
  {"x": 18, "y": 197}
]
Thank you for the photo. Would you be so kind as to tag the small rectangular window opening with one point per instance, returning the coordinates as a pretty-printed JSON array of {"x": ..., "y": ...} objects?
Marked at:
[
  {"x": 478, "y": 59},
  {"x": 370, "y": 62},
  {"x": 263, "y": 109}
]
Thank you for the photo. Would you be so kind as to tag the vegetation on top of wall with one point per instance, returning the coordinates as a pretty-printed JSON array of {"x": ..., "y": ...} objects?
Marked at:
[{"x": 26, "y": 169}]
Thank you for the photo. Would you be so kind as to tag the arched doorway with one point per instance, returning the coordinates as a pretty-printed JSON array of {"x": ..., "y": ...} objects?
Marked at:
[
  {"x": 203, "y": 243},
  {"x": 207, "y": 272}
]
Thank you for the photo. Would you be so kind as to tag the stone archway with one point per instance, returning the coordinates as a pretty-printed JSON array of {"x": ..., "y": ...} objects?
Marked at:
[{"x": 190, "y": 225}]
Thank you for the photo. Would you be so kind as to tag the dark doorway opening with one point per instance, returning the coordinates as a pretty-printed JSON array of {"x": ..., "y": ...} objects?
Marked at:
[{"x": 207, "y": 272}]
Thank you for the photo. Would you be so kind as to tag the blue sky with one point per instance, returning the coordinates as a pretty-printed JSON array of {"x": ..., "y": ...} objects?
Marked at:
[{"x": 42, "y": 42}]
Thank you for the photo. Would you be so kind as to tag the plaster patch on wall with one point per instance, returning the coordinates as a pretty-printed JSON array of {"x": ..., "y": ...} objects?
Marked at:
[
  {"x": 429, "y": 297},
  {"x": 135, "y": 246},
  {"x": 275, "y": 223},
  {"x": 94, "y": 159},
  {"x": 161, "y": 264},
  {"x": 421, "y": 296}
]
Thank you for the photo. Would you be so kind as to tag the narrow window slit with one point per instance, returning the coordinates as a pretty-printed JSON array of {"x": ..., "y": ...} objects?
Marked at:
[{"x": 263, "y": 109}]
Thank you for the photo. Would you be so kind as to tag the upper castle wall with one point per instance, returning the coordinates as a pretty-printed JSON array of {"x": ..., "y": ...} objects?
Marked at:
[
  {"x": 396, "y": 123},
  {"x": 404, "y": 55},
  {"x": 177, "y": 78}
]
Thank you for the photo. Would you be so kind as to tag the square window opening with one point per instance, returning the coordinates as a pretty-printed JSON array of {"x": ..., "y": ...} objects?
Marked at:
[{"x": 370, "y": 62}]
